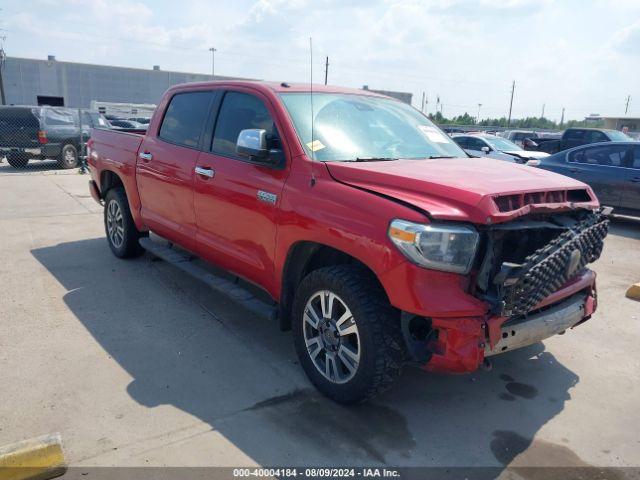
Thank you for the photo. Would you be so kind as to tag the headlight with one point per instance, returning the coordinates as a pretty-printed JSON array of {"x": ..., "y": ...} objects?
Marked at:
[{"x": 451, "y": 248}]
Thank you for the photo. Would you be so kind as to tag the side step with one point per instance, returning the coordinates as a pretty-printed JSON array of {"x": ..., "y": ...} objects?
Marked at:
[{"x": 184, "y": 262}]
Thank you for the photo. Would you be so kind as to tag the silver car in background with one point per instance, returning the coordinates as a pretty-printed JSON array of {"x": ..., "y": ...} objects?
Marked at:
[{"x": 484, "y": 145}]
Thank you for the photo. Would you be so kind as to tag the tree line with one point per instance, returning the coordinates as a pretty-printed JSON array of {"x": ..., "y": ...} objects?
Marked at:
[{"x": 528, "y": 122}]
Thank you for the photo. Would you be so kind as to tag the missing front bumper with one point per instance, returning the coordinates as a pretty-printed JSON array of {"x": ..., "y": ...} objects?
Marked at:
[{"x": 527, "y": 330}]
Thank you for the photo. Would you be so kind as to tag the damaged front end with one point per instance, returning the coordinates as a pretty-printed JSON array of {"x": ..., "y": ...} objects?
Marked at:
[{"x": 531, "y": 272}]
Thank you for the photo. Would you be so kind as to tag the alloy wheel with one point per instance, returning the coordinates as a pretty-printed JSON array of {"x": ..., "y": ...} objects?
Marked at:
[
  {"x": 115, "y": 224},
  {"x": 331, "y": 336}
]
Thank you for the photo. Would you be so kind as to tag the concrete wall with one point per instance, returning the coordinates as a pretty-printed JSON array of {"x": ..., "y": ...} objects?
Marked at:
[{"x": 79, "y": 84}]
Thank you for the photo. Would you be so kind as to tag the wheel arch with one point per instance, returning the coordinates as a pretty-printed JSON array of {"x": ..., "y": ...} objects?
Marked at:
[
  {"x": 302, "y": 258},
  {"x": 108, "y": 180}
]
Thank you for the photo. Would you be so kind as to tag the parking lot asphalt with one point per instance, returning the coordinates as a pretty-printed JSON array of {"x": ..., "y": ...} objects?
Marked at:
[{"x": 136, "y": 364}]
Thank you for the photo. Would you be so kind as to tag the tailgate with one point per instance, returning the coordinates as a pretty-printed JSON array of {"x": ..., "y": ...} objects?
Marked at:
[{"x": 19, "y": 128}]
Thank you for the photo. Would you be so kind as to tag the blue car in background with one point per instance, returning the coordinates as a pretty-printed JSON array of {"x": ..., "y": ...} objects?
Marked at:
[{"x": 612, "y": 169}]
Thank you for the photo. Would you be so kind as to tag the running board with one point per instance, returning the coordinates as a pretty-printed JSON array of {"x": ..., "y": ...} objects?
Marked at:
[{"x": 184, "y": 262}]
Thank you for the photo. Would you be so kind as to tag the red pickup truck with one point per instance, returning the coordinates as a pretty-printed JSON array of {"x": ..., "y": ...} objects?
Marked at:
[{"x": 374, "y": 236}]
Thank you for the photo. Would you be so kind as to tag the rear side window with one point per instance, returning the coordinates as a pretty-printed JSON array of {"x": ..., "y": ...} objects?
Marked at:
[
  {"x": 574, "y": 135},
  {"x": 60, "y": 117},
  {"x": 595, "y": 137},
  {"x": 240, "y": 111},
  {"x": 607, "y": 156},
  {"x": 185, "y": 117},
  {"x": 462, "y": 141}
]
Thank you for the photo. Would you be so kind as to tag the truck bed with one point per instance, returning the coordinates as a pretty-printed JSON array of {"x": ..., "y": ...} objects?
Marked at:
[{"x": 118, "y": 145}]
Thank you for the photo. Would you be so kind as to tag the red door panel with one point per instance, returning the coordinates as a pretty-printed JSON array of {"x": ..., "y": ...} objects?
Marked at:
[
  {"x": 236, "y": 213},
  {"x": 165, "y": 184}
]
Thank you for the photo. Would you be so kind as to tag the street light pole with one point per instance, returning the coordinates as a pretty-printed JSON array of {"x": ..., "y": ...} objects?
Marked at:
[
  {"x": 213, "y": 62},
  {"x": 478, "y": 117}
]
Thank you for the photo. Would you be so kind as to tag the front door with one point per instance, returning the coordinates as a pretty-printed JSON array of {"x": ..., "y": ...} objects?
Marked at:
[
  {"x": 237, "y": 200},
  {"x": 165, "y": 168}
]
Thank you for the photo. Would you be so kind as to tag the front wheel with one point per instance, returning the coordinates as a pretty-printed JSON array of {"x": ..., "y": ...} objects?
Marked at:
[
  {"x": 347, "y": 335},
  {"x": 122, "y": 234}
]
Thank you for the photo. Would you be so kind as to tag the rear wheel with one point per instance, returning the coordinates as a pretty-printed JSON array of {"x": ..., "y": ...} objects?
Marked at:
[
  {"x": 68, "y": 157},
  {"x": 122, "y": 234},
  {"x": 18, "y": 159},
  {"x": 347, "y": 335}
]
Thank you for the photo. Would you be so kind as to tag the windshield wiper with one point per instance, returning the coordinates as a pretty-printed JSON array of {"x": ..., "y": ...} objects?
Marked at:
[
  {"x": 374, "y": 159},
  {"x": 431, "y": 157}
]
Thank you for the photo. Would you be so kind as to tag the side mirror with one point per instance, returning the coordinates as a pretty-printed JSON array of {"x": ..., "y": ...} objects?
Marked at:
[
  {"x": 486, "y": 150},
  {"x": 253, "y": 143}
]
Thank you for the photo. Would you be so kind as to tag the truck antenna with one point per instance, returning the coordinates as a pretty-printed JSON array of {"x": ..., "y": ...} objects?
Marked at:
[{"x": 312, "y": 144}]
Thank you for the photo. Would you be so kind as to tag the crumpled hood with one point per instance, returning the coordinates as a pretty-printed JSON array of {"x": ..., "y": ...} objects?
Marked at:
[
  {"x": 466, "y": 189},
  {"x": 527, "y": 153}
]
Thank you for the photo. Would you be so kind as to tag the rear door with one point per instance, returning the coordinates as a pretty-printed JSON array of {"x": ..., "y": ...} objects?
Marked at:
[
  {"x": 631, "y": 196},
  {"x": 237, "y": 200},
  {"x": 165, "y": 167},
  {"x": 601, "y": 167}
]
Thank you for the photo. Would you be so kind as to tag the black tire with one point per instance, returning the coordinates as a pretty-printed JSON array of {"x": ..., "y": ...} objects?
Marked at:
[
  {"x": 68, "y": 157},
  {"x": 17, "y": 159},
  {"x": 381, "y": 347},
  {"x": 125, "y": 243}
]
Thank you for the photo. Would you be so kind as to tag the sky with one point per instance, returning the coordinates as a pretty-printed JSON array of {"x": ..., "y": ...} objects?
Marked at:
[{"x": 583, "y": 55}]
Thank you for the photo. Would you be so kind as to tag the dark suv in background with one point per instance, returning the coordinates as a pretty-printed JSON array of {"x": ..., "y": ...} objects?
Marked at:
[{"x": 29, "y": 132}]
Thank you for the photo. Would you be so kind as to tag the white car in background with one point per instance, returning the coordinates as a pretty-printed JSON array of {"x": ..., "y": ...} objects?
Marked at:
[{"x": 484, "y": 145}]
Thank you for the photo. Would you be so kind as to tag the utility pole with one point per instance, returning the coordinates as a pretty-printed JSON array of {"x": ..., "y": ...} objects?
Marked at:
[
  {"x": 542, "y": 116},
  {"x": 478, "y": 117},
  {"x": 562, "y": 117},
  {"x": 3, "y": 58},
  {"x": 213, "y": 62},
  {"x": 326, "y": 70},
  {"x": 3, "y": 100},
  {"x": 423, "y": 96},
  {"x": 513, "y": 88},
  {"x": 626, "y": 108}
]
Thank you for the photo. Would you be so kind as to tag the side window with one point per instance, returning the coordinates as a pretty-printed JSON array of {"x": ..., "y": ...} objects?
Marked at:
[
  {"x": 577, "y": 156},
  {"x": 608, "y": 156},
  {"x": 574, "y": 135},
  {"x": 185, "y": 118},
  {"x": 476, "y": 144},
  {"x": 595, "y": 136},
  {"x": 462, "y": 141},
  {"x": 87, "y": 121},
  {"x": 60, "y": 117},
  {"x": 240, "y": 111}
]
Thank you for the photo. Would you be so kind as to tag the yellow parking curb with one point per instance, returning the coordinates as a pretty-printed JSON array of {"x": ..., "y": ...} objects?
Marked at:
[
  {"x": 38, "y": 458},
  {"x": 634, "y": 292}
]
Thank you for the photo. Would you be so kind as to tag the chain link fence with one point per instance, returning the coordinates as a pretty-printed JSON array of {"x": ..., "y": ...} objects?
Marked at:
[{"x": 43, "y": 137}]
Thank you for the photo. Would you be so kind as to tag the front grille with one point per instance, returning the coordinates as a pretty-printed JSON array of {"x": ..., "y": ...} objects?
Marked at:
[
  {"x": 508, "y": 203},
  {"x": 548, "y": 268}
]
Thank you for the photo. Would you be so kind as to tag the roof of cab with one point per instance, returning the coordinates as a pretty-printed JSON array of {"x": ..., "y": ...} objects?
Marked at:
[{"x": 278, "y": 87}]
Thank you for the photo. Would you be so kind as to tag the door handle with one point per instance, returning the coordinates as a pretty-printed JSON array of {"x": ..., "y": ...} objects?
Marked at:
[
  {"x": 146, "y": 156},
  {"x": 205, "y": 172}
]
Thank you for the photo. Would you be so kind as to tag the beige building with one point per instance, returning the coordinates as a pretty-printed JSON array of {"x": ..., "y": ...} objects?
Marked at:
[{"x": 618, "y": 123}]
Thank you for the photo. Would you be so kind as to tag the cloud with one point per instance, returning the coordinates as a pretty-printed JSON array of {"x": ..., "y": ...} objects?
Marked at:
[{"x": 627, "y": 40}]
